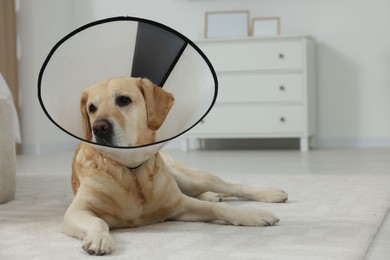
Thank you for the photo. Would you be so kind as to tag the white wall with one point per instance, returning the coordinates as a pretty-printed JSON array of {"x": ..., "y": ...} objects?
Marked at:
[
  {"x": 40, "y": 24},
  {"x": 353, "y": 55}
]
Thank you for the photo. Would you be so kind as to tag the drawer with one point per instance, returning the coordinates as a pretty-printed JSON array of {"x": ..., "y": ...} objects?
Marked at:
[
  {"x": 253, "y": 55},
  {"x": 236, "y": 88},
  {"x": 251, "y": 119}
]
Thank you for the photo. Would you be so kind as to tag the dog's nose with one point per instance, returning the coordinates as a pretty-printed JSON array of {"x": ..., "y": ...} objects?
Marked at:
[{"x": 102, "y": 128}]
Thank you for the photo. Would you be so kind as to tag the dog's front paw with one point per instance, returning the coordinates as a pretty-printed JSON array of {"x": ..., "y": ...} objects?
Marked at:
[
  {"x": 270, "y": 195},
  {"x": 256, "y": 218},
  {"x": 98, "y": 243}
]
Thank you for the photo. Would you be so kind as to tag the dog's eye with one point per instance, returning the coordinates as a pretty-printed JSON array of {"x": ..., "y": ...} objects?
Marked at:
[
  {"x": 123, "y": 101},
  {"x": 92, "y": 108}
]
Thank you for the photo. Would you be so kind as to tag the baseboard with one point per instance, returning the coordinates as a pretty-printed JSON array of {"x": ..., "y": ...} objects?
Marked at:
[
  {"x": 352, "y": 143},
  {"x": 38, "y": 149},
  {"x": 317, "y": 143}
]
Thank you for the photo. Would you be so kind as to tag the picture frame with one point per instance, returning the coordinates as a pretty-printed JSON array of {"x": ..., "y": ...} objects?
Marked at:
[
  {"x": 225, "y": 24},
  {"x": 265, "y": 26}
]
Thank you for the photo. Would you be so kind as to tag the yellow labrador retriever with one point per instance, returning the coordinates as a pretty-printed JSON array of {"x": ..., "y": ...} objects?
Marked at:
[{"x": 126, "y": 112}]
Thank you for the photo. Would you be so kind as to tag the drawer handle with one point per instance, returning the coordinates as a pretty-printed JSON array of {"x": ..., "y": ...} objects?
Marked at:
[
  {"x": 282, "y": 119},
  {"x": 281, "y": 56},
  {"x": 282, "y": 88}
]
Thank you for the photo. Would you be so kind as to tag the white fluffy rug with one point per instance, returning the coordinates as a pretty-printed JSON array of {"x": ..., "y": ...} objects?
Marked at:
[{"x": 326, "y": 217}]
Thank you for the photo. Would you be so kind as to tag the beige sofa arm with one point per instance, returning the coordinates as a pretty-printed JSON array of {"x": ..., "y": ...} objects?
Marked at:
[{"x": 7, "y": 152}]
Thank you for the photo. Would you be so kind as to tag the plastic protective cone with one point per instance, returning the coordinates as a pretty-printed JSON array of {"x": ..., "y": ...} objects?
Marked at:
[{"x": 127, "y": 46}]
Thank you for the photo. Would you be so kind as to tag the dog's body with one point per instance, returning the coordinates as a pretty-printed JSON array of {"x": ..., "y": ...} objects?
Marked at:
[{"x": 125, "y": 112}]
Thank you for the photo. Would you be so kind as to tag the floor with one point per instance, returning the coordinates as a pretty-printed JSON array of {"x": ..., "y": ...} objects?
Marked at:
[{"x": 345, "y": 162}]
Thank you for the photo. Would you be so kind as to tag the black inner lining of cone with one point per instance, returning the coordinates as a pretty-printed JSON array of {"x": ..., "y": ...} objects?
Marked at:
[{"x": 156, "y": 53}]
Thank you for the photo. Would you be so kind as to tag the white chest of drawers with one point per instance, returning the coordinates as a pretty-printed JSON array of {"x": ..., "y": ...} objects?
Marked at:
[{"x": 266, "y": 89}]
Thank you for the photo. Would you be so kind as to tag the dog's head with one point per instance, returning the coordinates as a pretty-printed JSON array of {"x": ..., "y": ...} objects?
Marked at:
[{"x": 124, "y": 111}]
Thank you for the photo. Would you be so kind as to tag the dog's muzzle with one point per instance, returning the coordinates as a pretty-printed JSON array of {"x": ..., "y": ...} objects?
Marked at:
[{"x": 103, "y": 132}]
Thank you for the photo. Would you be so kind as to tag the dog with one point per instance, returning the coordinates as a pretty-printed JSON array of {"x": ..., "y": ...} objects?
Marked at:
[{"x": 126, "y": 111}]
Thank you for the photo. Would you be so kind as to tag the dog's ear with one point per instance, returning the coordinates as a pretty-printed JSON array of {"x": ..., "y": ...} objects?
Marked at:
[
  {"x": 84, "y": 116},
  {"x": 158, "y": 103}
]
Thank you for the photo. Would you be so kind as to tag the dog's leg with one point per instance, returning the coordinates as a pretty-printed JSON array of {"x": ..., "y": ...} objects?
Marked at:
[
  {"x": 210, "y": 196},
  {"x": 192, "y": 209},
  {"x": 214, "y": 197},
  {"x": 81, "y": 223},
  {"x": 193, "y": 182}
]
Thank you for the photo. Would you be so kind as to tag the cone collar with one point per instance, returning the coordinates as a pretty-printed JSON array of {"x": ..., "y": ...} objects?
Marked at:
[{"x": 127, "y": 46}]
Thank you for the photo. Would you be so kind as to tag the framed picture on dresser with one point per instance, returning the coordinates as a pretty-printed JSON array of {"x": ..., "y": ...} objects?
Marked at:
[
  {"x": 265, "y": 26},
  {"x": 226, "y": 24}
]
